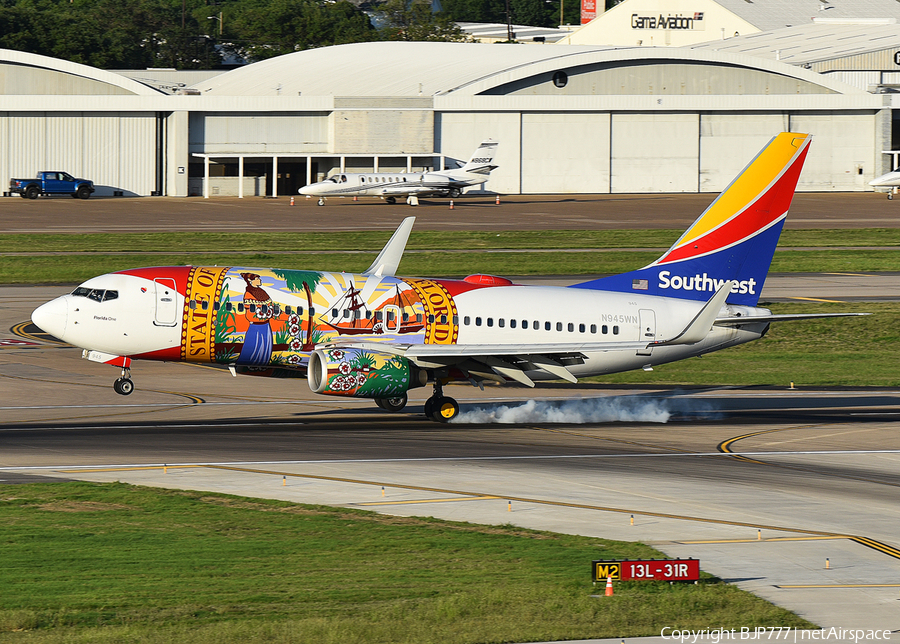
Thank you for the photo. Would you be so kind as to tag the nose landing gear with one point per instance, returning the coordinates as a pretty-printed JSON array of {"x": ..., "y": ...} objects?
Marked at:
[
  {"x": 124, "y": 385},
  {"x": 441, "y": 408}
]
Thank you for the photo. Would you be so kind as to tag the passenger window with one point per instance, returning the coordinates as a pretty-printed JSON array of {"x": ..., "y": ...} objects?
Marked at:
[
  {"x": 615, "y": 330},
  {"x": 405, "y": 317},
  {"x": 240, "y": 307},
  {"x": 110, "y": 295},
  {"x": 334, "y": 313},
  {"x": 604, "y": 329},
  {"x": 456, "y": 320},
  {"x": 536, "y": 326},
  {"x": 431, "y": 319},
  {"x": 547, "y": 326},
  {"x": 215, "y": 306},
  {"x": 392, "y": 315},
  {"x": 581, "y": 328},
  {"x": 418, "y": 317},
  {"x": 228, "y": 306},
  {"x": 559, "y": 326},
  {"x": 571, "y": 327},
  {"x": 253, "y": 308},
  {"x": 593, "y": 328},
  {"x": 192, "y": 305},
  {"x": 501, "y": 323},
  {"x": 287, "y": 309},
  {"x": 512, "y": 323},
  {"x": 203, "y": 305},
  {"x": 379, "y": 316},
  {"x": 466, "y": 320},
  {"x": 490, "y": 321},
  {"x": 477, "y": 321},
  {"x": 312, "y": 311},
  {"x": 443, "y": 319}
]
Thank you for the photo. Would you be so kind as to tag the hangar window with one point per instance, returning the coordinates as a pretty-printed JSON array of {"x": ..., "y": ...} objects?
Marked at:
[{"x": 560, "y": 79}]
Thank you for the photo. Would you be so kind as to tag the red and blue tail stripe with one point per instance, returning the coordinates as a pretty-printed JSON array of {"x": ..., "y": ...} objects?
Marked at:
[{"x": 734, "y": 238}]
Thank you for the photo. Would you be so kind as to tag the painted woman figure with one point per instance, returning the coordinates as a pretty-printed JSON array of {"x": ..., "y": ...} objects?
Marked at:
[{"x": 259, "y": 309}]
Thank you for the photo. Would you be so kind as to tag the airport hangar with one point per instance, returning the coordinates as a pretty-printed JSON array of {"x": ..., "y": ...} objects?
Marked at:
[{"x": 569, "y": 119}]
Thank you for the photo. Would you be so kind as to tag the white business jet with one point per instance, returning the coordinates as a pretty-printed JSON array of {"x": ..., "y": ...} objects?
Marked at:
[{"x": 390, "y": 185}]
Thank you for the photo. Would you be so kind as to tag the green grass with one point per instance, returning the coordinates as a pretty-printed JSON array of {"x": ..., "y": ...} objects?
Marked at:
[
  {"x": 371, "y": 240},
  {"x": 859, "y": 351},
  {"x": 87, "y": 562},
  {"x": 84, "y": 256}
]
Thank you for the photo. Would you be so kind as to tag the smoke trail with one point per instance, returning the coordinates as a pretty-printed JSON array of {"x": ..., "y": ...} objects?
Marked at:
[{"x": 635, "y": 409}]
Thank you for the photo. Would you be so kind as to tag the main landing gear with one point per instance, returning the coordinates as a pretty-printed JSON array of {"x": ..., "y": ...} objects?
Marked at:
[
  {"x": 441, "y": 408},
  {"x": 124, "y": 385},
  {"x": 393, "y": 404}
]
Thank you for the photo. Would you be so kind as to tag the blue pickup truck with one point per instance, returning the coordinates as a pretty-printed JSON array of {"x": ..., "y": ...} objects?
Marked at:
[{"x": 52, "y": 183}]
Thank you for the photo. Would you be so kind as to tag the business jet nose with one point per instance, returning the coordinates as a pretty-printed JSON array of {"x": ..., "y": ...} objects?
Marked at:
[{"x": 52, "y": 316}]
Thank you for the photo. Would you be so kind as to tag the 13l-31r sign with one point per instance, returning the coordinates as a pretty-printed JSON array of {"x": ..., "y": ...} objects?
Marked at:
[{"x": 651, "y": 569}]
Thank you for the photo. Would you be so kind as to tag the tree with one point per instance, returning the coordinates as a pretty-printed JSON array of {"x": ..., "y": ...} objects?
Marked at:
[{"x": 414, "y": 20}]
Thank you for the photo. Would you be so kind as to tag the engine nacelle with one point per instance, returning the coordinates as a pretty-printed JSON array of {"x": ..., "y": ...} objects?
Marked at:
[
  {"x": 362, "y": 374},
  {"x": 435, "y": 180}
]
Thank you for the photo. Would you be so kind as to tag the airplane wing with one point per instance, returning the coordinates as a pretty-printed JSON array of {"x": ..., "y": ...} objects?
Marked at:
[{"x": 493, "y": 361}]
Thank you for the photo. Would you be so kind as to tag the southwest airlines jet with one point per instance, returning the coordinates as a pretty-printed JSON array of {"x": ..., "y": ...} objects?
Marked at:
[
  {"x": 390, "y": 185},
  {"x": 374, "y": 335}
]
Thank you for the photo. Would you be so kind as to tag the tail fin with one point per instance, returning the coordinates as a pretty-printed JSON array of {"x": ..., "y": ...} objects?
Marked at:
[
  {"x": 734, "y": 238},
  {"x": 482, "y": 160}
]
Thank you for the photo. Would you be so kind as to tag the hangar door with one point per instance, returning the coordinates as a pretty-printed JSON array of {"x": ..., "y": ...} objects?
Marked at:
[
  {"x": 655, "y": 153},
  {"x": 565, "y": 153}
]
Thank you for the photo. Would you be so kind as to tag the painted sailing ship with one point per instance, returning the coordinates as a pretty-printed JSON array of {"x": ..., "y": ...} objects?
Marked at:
[{"x": 351, "y": 316}]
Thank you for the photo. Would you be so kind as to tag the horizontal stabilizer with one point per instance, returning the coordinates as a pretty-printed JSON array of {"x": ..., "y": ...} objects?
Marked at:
[{"x": 786, "y": 317}]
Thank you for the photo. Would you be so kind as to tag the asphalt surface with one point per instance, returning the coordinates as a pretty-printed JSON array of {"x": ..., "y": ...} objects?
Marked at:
[{"x": 520, "y": 212}]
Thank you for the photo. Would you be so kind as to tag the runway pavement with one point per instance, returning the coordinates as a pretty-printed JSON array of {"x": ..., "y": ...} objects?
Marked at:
[
  {"x": 762, "y": 485},
  {"x": 518, "y": 212}
]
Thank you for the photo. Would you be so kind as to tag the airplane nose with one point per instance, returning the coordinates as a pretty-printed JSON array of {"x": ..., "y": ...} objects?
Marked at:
[{"x": 52, "y": 316}]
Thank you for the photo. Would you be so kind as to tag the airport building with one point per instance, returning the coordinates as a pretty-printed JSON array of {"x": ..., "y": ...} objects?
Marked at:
[{"x": 569, "y": 118}]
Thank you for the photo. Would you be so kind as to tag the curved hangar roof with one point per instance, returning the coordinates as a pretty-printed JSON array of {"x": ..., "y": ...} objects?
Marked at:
[
  {"x": 436, "y": 69},
  {"x": 22, "y": 73}
]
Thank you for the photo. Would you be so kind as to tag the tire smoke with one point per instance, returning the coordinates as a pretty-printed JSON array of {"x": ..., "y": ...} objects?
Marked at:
[{"x": 635, "y": 409}]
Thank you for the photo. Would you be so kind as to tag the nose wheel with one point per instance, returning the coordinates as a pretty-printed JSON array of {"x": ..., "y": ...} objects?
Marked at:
[
  {"x": 441, "y": 408},
  {"x": 321, "y": 202},
  {"x": 124, "y": 386}
]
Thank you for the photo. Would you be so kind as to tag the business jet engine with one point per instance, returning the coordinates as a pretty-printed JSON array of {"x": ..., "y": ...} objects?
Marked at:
[
  {"x": 441, "y": 184},
  {"x": 361, "y": 373}
]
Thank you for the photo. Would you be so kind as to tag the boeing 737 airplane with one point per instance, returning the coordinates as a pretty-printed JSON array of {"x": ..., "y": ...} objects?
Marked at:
[
  {"x": 390, "y": 185},
  {"x": 374, "y": 335}
]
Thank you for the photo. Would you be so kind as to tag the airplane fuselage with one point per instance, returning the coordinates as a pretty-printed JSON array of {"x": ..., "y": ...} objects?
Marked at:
[{"x": 204, "y": 314}]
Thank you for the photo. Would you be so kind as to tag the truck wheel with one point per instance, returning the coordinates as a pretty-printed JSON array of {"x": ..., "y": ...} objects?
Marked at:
[
  {"x": 83, "y": 192},
  {"x": 32, "y": 192}
]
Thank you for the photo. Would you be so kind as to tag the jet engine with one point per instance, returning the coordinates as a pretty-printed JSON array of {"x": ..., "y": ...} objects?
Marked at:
[{"x": 361, "y": 373}]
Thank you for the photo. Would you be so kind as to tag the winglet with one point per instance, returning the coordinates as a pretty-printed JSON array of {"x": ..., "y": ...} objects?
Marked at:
[
  {"x": 389, "y": 258},
  {"x": 700, "y": 326}
]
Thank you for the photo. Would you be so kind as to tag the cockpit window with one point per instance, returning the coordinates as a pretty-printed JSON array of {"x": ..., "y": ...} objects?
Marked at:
[
  {"x": 332, "y": 179},
  {"x": 96, "y": 294}
]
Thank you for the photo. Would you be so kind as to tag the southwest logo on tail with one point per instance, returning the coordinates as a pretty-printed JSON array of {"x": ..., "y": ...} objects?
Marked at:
[
  {"x": 375, "y": 335},
  {"x": 734, "y": 239}
]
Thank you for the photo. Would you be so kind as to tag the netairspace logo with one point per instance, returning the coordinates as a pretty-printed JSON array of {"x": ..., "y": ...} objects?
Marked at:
[{"x": 579, "y": 411}]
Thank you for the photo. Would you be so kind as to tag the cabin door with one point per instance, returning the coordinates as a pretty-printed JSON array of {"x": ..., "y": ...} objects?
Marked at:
[
  {"x": 647, "y": 330},
  {"x": 166, "y": 302},
  {"x": 391, "y": 318}
]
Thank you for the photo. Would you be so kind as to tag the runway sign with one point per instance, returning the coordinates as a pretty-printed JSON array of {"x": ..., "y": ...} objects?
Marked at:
[{"x": 650, "y": 569}]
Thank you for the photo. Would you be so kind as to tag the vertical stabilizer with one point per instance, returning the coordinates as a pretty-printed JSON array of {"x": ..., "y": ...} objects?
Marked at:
[
  {"x": 734, "y": 238},
  {"x": 482, "y": 160}
]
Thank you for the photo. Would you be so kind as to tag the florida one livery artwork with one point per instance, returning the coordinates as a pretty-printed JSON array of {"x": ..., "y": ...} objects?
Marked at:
[{"x": 265, "y": 319}]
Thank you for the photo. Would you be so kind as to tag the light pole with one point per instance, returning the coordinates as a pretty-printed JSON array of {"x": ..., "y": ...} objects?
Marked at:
[{"x": 221, "y": 22}]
